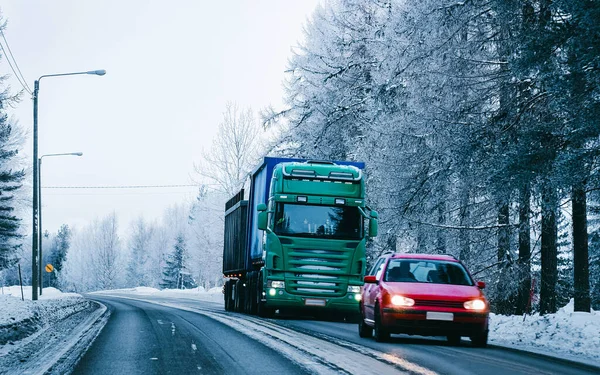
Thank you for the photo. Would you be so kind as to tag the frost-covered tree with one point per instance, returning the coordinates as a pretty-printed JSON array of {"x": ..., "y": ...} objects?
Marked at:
[
  {"x": 234, "y": 151},
  {"x": 138, "y": 267},
  {"x": 11, "y": 177},
  {"x": 175, "y": 272},
  {"x": 58, "y": 252},
  {"x": 466, "y": 113},
  {"x": 106, "y": 256},
  {"x": 206, "y": 237}
]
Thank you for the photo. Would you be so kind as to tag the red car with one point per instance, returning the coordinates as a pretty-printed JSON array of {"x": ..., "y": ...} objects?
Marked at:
[{"x": 430, "y": 295}]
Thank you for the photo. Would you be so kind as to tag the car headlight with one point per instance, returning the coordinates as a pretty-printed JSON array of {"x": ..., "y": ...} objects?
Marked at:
[
  {"x": 275, "y": 284},
  {"x": 475, "y": 304},
  {"x": 353, "y": 289},
  {"x": 402, "y": 301}
]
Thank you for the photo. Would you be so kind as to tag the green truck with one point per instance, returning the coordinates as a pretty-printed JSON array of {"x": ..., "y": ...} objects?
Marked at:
[{"x": 296, "y": 243}]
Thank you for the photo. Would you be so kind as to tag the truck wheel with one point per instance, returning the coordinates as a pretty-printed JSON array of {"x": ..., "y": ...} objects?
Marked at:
[
  {"x": 381, "y": 334},
  {"x": 239, "y": 296},
  {"x": 228, "y": 302},
  {"x": 265, "y": 312},
  {"x": 252, "y": 294},
  {"x": 352, "y": 318},
  {"x": 262, "y": 310}
]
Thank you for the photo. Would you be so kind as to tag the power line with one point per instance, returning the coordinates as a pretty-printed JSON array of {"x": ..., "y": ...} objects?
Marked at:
[
  {"x": 19, "y": 76},
  {"x": 126, "y": 186}
]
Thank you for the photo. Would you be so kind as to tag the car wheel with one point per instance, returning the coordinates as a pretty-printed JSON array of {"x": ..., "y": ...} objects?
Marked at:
[
  {"x": 363, "y": 329},
  {"x": 453, "y": 339},
  {"x": 480, "y": 339},
  {"x": 381, "y": 334}
]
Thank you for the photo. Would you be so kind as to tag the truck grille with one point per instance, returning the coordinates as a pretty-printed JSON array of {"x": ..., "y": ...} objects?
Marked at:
[{"x": 330, "y": 264}]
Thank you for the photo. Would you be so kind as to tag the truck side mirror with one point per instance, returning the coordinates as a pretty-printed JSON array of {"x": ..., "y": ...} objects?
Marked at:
[
  {"x": 373, "y": 224},
  {"x": 262, "y": 216},
  {"x": 481, "y": 284},
  {"x": 371, "y": 279}
]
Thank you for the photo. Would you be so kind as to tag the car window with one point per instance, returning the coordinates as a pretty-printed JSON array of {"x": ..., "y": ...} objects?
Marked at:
[
  {"x": 420, "y": 271},
  {"x": 376, "y": 269}
]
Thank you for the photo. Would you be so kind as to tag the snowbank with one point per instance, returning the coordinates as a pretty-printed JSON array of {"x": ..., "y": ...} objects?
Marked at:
[
  {"x": 19, "y": 319},
  {"x": 211, "y": 295},
  {"x": 574, "y": 334},
  {"x": 47, "y": 293}
]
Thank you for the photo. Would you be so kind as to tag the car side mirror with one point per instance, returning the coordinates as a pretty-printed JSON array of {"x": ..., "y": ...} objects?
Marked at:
[
  {"x": 373, "y": 224},
  {"x": 481, "y": 284},
  {"x": 371, "y": 279},
  {"x": 262, "y": 216}
]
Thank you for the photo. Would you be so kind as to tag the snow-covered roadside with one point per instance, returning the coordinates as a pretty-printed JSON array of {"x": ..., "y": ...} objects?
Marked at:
[
  {"x": 211, "y": 295},
  {"x": 566, "y": 334},
  {"x": 48, "y": 335},
  {"x": 19, "y": 319}
]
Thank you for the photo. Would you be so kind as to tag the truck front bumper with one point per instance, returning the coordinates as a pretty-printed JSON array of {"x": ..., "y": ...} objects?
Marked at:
[{"x": 347, "y": 304}]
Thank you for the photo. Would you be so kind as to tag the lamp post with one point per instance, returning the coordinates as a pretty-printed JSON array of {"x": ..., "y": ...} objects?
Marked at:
[
  {"x": 35, "y": 239},
  {"x": 41, "y": 232}
]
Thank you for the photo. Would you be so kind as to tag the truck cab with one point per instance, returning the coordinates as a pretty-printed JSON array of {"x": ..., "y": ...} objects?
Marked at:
[{"x": 316, "y": 224}]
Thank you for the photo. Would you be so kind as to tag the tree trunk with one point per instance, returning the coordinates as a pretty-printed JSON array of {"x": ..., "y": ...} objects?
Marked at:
[
  {"x": 463, "y": 236},
  {"x": 549, "y": 272},
  {"x": 504, "y": 305},
  {"x": 580, "y": 249},
  {"x": 421, "y": 239},
  {"x": 503, "y": 235},
  {"x": 441, "y": 233},
  {"x": 524, "y": 250}
]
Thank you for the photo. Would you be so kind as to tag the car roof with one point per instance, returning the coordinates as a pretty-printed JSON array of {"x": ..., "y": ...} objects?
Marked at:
[{"x": 445, "y": 257}]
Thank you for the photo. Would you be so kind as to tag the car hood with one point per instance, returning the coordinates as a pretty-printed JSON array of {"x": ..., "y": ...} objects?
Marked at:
[{"x": 434, "y": 291}]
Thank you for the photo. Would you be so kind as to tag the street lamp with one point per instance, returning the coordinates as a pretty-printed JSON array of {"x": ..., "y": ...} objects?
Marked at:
[
  {"x": 40, "y": 231},
  {"x": 35, "y": 239}
]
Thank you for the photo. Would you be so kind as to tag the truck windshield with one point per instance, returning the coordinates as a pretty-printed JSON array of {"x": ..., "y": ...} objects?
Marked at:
[{"x": 318, "y": 221}]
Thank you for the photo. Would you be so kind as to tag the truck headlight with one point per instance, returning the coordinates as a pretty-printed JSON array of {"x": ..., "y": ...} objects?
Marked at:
[
  {"x": 353, "y": 289},
  {"x": 475, "y": 304},
  {"x": 275, "y": 284}
]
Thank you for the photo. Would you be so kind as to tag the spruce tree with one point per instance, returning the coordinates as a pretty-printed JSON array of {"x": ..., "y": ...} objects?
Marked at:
[
  {"x": 62, "y": 243},
  {"x": 10, "y": 182},
  {"x": 175, "y": 275}
]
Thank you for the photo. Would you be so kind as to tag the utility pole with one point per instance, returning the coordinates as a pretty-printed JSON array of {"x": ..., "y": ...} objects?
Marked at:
[
  {"x": 35, "y": 239},
  {"x": 35, "y": 259}
]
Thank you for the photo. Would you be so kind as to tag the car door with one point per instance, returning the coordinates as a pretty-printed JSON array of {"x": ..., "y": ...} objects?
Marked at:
[{"x": 370, "y": 290}]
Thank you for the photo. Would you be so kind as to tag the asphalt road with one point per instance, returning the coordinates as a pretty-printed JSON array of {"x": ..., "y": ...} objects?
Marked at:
[
  {"x": 147, "y": 338},
  {"x": 437, "y": 355}
]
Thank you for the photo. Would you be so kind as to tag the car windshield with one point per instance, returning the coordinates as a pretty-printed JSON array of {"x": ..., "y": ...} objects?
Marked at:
[
  {"x": 427, "y": 271},
  {"x": 301, "y": 220}
]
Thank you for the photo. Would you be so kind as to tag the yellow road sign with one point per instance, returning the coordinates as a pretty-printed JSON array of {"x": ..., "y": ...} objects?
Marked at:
[{"x": 49, "y": 268}]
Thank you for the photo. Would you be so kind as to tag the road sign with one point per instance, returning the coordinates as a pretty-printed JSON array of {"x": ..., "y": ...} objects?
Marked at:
[{"x": 49, "y": 268}]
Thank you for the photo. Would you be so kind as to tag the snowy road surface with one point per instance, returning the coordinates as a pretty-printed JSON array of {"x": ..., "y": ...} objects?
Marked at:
[{"x": 200, "y": 337}]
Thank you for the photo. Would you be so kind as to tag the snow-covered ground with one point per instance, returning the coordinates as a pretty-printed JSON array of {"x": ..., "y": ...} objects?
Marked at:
[
  {"x": 66, "y": 322},
  {"x": 19, "y": 319},
  {"x": 211, "y": 295},
  {"x": 567, "y": 334}
]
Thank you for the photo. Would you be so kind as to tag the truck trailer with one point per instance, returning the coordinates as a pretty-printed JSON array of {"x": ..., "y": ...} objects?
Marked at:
[{"x": 296, "y": 242}]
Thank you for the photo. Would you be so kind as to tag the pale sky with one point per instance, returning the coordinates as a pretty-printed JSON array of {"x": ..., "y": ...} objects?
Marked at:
[{"x": 171, "y": 67}]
